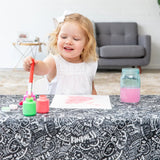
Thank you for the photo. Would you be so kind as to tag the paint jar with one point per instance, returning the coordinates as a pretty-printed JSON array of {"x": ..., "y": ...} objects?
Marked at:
[
  {"x": 42, "y": 104},
  {"x": 29, "y": 107},
  {"x": 130, "y": 85}
]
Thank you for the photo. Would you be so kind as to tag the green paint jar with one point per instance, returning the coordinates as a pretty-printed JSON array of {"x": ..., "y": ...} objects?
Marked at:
[{"x": 29, "y": 107}]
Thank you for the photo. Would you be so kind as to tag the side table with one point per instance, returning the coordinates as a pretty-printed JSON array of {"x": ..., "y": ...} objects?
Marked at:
[{"x": 30, "y": 48}]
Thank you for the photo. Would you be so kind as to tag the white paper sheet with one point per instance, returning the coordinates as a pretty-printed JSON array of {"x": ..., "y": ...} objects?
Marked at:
[{"x": 81, "y": 101}]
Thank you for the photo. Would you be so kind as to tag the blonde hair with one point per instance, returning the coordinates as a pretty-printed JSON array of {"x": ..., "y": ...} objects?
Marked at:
[{"x": 89, "y": 51}]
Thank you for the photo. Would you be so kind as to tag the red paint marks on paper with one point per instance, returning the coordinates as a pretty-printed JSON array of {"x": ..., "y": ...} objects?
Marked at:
[{"x": 78, "y": 99}]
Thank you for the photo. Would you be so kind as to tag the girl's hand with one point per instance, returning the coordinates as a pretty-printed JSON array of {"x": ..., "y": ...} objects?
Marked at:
[{"x": 27, "y": 63}]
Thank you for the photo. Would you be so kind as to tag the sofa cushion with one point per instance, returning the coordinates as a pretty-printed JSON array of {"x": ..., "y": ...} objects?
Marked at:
[
  {"x": 116, "y": 33},
  {"x": 119, "y": 51}
]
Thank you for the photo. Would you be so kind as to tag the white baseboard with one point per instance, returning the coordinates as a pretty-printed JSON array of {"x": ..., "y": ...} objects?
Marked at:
[
  {"x": 156, "y": 66},
  {"x": 153, "y": 66}
]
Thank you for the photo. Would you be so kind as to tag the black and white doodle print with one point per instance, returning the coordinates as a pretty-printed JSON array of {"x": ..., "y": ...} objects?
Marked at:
[{"x": 127, "y": 132}]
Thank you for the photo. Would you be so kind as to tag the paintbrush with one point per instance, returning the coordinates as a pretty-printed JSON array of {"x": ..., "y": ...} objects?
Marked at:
[{"x": 31, "y": 79}]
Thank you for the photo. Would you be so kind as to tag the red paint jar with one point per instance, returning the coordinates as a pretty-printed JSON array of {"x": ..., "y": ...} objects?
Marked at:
[{"x": 42, "y": 104}]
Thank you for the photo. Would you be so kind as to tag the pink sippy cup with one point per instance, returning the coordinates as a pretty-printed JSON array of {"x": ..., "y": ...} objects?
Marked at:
[{"x": 130, "y": 85}]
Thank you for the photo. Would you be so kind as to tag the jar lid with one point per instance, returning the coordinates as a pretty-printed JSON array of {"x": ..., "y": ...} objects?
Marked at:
[
  {"x": 29, "y": 99},
  {"x": 130, "y": 70}
]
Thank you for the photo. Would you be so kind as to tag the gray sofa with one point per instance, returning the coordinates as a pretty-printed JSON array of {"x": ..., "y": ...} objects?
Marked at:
[{"x": 119, "y": 45}]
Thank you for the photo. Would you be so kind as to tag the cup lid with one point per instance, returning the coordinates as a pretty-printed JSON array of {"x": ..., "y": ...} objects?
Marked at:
[{"x": 130, "y": 70}]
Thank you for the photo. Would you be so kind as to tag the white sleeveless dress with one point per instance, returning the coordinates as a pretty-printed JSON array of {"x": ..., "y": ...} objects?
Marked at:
[{"x": 73, "y": 78}]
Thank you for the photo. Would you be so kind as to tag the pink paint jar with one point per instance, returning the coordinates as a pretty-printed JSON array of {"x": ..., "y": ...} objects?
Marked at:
[
  {"x": 42, "y": 104},
  {"x": 130, "y": 85}
]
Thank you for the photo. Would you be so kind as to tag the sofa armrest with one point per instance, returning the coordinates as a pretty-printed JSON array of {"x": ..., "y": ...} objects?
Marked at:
[
  {"x": 145, "y": 41},
  {"x": 97, "y": 51}
]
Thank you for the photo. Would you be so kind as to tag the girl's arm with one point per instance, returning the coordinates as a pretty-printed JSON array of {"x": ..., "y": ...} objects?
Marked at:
[
  {"x": 94, "y": 92},
  {"x": 51, "y": 65},
  {"x": 45, "y": 67}
]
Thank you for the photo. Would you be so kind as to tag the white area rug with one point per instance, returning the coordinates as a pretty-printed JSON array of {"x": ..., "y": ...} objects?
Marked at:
[{"x": 106, "y": 82}]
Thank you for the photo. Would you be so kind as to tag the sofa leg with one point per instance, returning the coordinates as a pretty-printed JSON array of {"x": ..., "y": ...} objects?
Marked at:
[{"x": 140, "y": 69}]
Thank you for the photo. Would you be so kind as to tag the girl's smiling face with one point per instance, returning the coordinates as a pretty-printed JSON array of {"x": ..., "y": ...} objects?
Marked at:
[{"x": 71, "y": 41}]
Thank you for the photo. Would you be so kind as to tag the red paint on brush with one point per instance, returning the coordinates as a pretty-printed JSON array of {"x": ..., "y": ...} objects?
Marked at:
[
  {"x": 31, "y": 78},
  {"x": 31, "y": 72}
]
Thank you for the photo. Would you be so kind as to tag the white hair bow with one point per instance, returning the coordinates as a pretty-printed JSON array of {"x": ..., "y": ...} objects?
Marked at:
[{"x": 61, "y": 18}]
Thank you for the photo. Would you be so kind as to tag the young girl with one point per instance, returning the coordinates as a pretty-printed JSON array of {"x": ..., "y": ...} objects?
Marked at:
[{"x": 75, "y": 65}]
